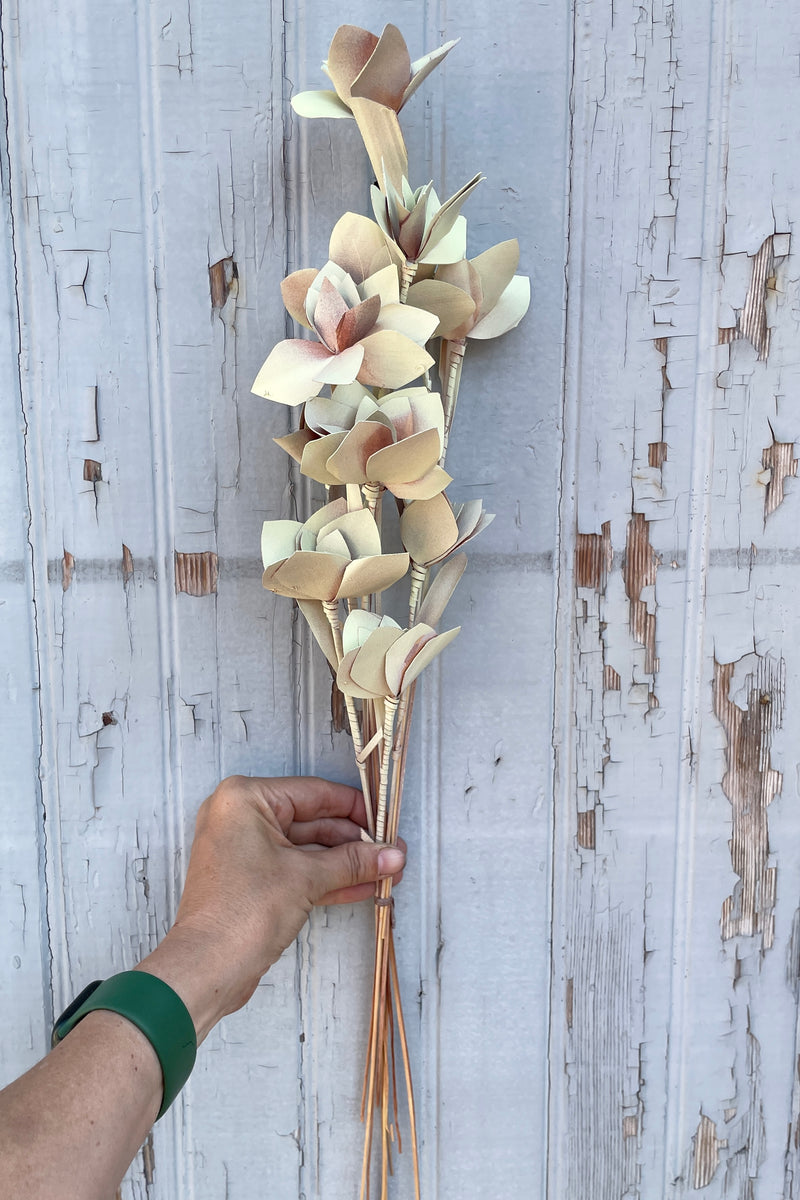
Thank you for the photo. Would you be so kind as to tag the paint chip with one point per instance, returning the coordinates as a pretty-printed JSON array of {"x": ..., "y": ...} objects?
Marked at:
[{"x": 706, "y": 1153}]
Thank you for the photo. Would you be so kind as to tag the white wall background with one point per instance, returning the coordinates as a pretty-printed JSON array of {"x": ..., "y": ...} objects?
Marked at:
[{"x": 600, "y": 929}]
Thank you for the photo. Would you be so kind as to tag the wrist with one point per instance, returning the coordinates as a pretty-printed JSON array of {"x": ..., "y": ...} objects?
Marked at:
[{"x": 190, "y": 962}]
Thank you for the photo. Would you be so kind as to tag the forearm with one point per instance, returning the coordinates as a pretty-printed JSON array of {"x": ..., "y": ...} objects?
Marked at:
[{"x": 108, "y": 1084}]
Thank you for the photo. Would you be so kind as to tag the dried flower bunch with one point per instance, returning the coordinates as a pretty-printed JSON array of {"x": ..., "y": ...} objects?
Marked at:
[{"x": 391, "y": 287}]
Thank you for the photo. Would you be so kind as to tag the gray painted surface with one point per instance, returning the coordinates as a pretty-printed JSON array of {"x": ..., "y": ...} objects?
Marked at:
[{"x": 597, "y": 932}]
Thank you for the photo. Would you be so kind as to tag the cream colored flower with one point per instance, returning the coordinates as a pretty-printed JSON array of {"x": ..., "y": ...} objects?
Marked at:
[
  {"x": 353, "y": 306},
  {"x": 499, "y": 298},
  {"x": 373, "y": 78},
  {"x": 396, "y": 441},
  {"x": 380, "y": 659},
  {"x": 334, "y": 555},
  {"x": 425, "y": 229},
  {"x": 432, "y": 529}
]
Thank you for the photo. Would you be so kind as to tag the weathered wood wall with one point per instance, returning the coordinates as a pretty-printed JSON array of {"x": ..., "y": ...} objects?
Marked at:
[{"x": 600, "y": 927}]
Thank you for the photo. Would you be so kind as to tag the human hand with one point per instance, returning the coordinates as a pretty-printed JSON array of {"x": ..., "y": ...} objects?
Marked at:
[{"x": 265, "y": 852}]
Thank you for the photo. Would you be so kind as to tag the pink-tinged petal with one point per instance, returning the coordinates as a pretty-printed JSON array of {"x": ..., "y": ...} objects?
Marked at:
[
  {"x": 428, "y": 529},
  {"x": 391, "y": 360},
  {"x": 452, "y": 306},
  {"x": 328, "y": 312},
  {"x": 308, "y": 574},
  {"x": 387, "y": 73},
  {"x": 438, "y": 594},
  {"x": 373, "y": 574},
  {"x": 319, "y": 104},
  {"x": 408, "y": 459},
  {"x": 294, "y": 290},
  {"x": 401, "y": 653},
  {"x": 495, "y": 268},
  {"x": 331, "y": 414},
  {"x": 428, "y": 653},
  {"x": 345, "y": 682},
  {"x": 413, "y": 409},
  {"x": 278, "y": 541},
  {"x": 413, "y": 322},
  {"x": 316, "y": 453},
  {"x": 341, "y": 368},
  {"x": 357, "y": 322},
  {"x": 422, "y": 67},
  {"x": 341, "y": 281},
  {"x": 357, "y": 244},
  {"x": 295, "y": 443},
  {"x": 289, "y": 376},
  {"x": 508, "y": 312},
  {"x": 462, "y": 275},
  {"x": 348, "y": 52},
  {"x": 448, "y": 212},
  {"x": 319, "y": 625},
  {"x": 383, "y": 139},
  {"x": 431, "y": 484},
  {"x": 349, "y": 460}
]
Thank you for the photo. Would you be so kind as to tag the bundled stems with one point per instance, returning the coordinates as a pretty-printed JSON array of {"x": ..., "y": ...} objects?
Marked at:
[
  {"x": 332, "y": 613},
  {"x": 452, "y": 359},
  {"x": 407, "y": 274}
]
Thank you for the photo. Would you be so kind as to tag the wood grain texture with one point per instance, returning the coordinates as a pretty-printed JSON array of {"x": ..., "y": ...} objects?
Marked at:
[{"x": 599, "y": 927}]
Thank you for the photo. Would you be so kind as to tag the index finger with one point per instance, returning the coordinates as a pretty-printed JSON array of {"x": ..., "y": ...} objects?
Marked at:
[{"x": 298, "y": 798}]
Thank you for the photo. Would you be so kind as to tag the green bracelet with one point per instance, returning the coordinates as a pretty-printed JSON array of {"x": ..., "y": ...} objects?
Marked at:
[{"x": 154, "y": 1008}]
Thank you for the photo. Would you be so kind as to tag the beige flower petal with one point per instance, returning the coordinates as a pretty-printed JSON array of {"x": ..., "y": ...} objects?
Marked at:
[
  {"x": 320, "y": 627},
  {"x": 413, "y": 409},
  {"x": 357, "y": 322},
  {"x": 508, "y": 312},
  {"x": 278, "y": 541},
  {"x": 383, "y": 139},
  {"x": 496, "y": 267},
  {"x": 451, "y": 305},
  {"x": 329, "y": 309},
  {"x": 401, "y": 653},
  {"x": 462, "y": 275},
  {"x": 422, "y": 67},
  {"x": 428, "y": 529},
  {"x": 368, "y": 669},
  {"x": 294, "y": 290},
  {"x": 413, "y": 322},
  {"x": 367, "y": 575},
  {"x": 344, "y": 285},
  {"x": 408, "y": 459},
  {"x": 295, "y": 443},
  {"x": 359, "y": 531},
  {"x": 359, "y": 625},
  {"x": 332, "y": 542},
  {"x": 306, "y": 573},
  {"x": 316, "y": 453},
  {"x": 438, "y": 594},
  {"x": 345, "y": 681},
  {"x": 387, "y": 73},
  {"x": 356, "y": 244},
  {"x": 318, "y": 520},
  {"x": 340, "y": 368},
  {"x": 348, "y": 462},
  {"x": 330, "y": 414},
  {"x": 348, "y": 52},
  {"x": 451, "y": 247},
  {"x": 320, "y": 104},
  {"x": 289, "y": 376},
  {"x": 384, "y": 283},
  {"x": 428, "y": 653},
  {"x": 391, "y": 360},
  {"x": 429, "y": 485}
]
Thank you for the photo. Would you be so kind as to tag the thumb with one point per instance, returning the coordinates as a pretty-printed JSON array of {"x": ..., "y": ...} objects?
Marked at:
[{"x": 352, "y": 864}]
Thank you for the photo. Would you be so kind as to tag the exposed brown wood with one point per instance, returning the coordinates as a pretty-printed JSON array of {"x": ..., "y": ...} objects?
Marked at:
[
  {"x": 67, "y": 567},
  {"x": 656, "y": 454},
  {"x": 750, "y": 718},
  {"x": 752, "y": 319},
  {"x": 196, "y": 574},
  {"x": 779, "y": 459},
  {"x": 127, "y": 563},
  {"x": 639, "y": 572},
  {"x": 706, "y": 1153},
  {"x": 586, "y": 829},
  {"x": 221, "y": 276},
  {"x": 92, "y": 470},
  {"x": 593, "y": 558},
  {"x": 611, "y": 679}
]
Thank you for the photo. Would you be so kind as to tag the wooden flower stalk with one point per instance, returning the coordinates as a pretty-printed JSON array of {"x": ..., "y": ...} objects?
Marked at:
[{"x": 373, "y": 421}]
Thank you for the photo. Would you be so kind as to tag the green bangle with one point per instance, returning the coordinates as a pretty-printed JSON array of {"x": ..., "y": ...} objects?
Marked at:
[{"x": 154, "y": 1008}]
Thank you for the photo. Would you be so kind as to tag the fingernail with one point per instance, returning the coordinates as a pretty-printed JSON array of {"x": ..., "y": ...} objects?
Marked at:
[{"x": 390, "y": 861}]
